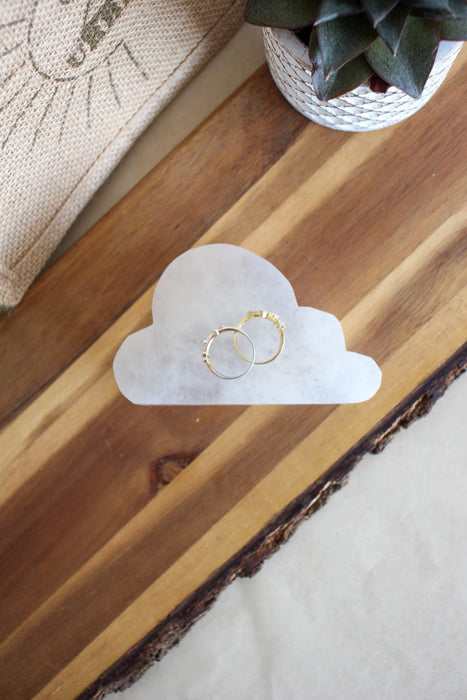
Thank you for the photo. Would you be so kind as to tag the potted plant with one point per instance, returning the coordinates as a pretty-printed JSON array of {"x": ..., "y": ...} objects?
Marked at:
[{"x": 357, "y": 65}]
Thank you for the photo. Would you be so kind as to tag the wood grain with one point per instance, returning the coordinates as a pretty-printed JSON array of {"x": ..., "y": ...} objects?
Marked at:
[{"x": 121, "y": 523}]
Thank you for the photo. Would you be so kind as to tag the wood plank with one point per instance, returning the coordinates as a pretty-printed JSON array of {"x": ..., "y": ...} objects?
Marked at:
[{"x": 169, "y": 504}]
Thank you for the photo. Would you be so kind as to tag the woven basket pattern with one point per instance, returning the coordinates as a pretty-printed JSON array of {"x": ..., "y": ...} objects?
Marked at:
[{"x": 358, "y": 110}]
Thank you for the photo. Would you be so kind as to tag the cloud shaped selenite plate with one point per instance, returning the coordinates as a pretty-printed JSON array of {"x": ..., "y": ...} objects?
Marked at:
[{"x": 216, "y": 285}]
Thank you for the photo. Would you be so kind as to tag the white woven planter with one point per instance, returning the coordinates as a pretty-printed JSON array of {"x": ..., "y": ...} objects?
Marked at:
[{"x": 358, "y": 110}]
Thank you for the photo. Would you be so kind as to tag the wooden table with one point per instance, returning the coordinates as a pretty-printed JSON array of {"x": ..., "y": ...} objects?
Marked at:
[{"x": 119, "y": 523}]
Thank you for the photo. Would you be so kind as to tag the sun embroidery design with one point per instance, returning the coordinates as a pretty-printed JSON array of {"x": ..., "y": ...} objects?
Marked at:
[{"x": 54, "y": 58}]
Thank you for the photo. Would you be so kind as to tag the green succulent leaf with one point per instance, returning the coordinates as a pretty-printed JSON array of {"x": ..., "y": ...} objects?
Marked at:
[
  {"x": 439, "y": 9},
  {"x": 411, "y": 66},
  {"x": 453, "y": 30},
  {"x": 288, "y": 14},
  {"x": 347, "y": 78},
  {"x": 390, "y": 29},
  {"x": 378, "y": 9},
  {"x": 458, "y": 8},
  {"x": 330, "y": 9},
  {"x": 341, "y": 40},
  {"x": 438, "y": 5}
]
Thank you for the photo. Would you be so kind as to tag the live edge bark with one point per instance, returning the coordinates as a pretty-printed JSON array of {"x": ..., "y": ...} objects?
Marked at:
[{"x": 250, "y": 559}]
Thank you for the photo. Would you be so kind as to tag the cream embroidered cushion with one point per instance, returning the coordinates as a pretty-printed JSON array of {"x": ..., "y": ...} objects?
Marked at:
[{"x": 79, "y": 81}]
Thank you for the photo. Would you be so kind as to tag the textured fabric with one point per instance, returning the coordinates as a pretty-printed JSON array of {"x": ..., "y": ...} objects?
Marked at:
[{"x": 79, "y": 81}]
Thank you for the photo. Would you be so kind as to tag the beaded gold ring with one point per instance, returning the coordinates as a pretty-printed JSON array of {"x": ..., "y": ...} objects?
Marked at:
[{"x": 269, "y": 316}]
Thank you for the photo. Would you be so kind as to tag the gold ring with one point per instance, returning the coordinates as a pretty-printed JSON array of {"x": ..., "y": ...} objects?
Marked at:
[
  {"x": 207, "y": 345},
  {"x": 274, "y": 318}
]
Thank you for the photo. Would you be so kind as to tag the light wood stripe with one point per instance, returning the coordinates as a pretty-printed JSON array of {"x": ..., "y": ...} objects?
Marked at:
[
  {"x": 383, "y": 296},
  {"x": 266, "y": 195},
  {"x": 288, "y": 213}
]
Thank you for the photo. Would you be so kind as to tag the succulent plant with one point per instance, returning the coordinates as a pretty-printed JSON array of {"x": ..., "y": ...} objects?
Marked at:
[{"x": 385, "y": 42}]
